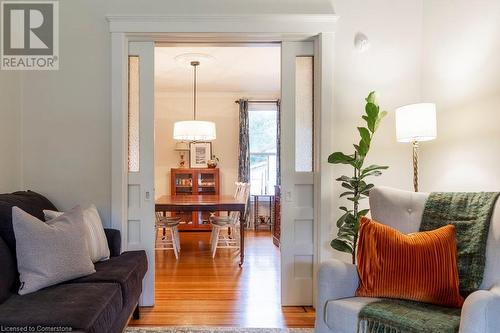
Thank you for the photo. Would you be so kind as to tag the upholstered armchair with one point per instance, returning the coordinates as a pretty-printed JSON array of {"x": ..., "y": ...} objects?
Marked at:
[{"x": 337, "y": 308}]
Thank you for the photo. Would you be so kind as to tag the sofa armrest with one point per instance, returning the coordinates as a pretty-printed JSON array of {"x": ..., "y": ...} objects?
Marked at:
[
  {"x": 480, "y": 312},
  {"x": 336, "y": 279},
  {"x": 114, "y": 242}
]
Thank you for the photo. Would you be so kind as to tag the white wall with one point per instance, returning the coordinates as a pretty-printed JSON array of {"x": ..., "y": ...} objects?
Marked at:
[
  {"x": 461, "y": 74},
  {"x": 218, "y": 107},
  {"x": 10, "y": 131},
  {"x": 391, "y": 66},
  {"x": 66, "y": 114}
]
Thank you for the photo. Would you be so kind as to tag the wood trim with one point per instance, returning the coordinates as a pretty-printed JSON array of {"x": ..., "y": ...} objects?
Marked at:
[
  {"x": 323, "y": 140},
  {"x": 252, "y": 23},
  {"x": 124, "y": 29}
]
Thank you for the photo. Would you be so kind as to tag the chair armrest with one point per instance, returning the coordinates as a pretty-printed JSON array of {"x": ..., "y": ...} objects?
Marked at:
[
  {"x": 480, "y": 312},
  {"x": 114, "y": 242},
  {"x": 336, "y": 279}
]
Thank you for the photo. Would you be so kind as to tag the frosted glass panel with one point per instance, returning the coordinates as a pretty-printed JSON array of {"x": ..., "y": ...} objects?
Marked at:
[
  {"x": 133, "y": 114},
  {"x": 304, "y": 114}
]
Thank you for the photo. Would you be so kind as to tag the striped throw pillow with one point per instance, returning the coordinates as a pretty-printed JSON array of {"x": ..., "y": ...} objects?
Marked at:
[
  {"x": 95, "y": 236},
  {"x": 420, "y": 266}
]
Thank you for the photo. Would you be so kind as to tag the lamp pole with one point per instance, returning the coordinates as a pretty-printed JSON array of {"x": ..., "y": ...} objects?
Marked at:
[{"x": 415, "y": 165}]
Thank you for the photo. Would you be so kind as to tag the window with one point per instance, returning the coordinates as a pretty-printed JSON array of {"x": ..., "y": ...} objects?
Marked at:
[
  {"x": 304, "y": 114},
  {"x": 133, "y": 114},
  {"x": 263, "y": 123}
]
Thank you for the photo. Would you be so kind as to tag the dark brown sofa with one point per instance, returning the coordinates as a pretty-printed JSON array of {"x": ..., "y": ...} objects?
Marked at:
[{"x": 101, "y": 302}]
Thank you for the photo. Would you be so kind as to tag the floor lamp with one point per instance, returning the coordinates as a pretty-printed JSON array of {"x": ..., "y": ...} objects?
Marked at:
[{"x": 416, "y": 123}]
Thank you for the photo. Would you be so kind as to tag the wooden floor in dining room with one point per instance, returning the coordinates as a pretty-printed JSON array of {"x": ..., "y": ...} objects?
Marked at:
[{"x": 197, "y": 290}]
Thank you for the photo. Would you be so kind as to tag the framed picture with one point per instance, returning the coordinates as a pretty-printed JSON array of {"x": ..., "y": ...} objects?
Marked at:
[{"x": 200, "y": 153}]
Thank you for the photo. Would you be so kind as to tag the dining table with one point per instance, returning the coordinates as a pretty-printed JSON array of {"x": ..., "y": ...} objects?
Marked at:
[{"x": 205, "y": 203}]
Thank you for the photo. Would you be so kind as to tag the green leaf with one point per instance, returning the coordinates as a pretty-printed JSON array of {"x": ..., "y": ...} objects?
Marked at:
[
  {"x": 344, "y": 209},
  {"x": 362, "y": 148},
  {"x": 371, "y": 98},
  {"x": 379, "y": 119},
  {"x": 373, "y": 167},
  {"x": 341, "y": 245},
  {"x": 347, "y": 186},
  {"x": 375, "y": 173},
  {"x": 346, "y": 193},
  {"x": 342, "y": 219},
  {"x": 365, "y": 135},
  {"x": 365, "y": 187},
  {"x": 363, "y": 212},
  {"x": 340, "y": 158},
  {"x": 370, "y": 122},
  {"x": 344, "y": 179},
  {"x": 372, "y": 111}
]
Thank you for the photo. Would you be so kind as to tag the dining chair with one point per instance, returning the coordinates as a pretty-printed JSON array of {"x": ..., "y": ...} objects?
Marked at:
[
  {"x": 226, "y": 229},
  {"x": 170, "y": 240}
]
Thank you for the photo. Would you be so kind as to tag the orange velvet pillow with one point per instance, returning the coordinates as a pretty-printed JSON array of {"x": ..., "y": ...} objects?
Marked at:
[{"x": 421, "y": 266}]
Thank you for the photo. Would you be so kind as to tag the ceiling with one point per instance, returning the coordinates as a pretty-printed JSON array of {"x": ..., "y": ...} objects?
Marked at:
[{"x": 231, "y": 69}]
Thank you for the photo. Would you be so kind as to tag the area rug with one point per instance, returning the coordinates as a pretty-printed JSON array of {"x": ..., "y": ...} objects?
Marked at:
[{"x": 215, "y": 330}]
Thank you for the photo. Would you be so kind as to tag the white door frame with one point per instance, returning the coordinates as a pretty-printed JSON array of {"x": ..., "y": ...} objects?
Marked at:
[{"x": 226, "y": 28}]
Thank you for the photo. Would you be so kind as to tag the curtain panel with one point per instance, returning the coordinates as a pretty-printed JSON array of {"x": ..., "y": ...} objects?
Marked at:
[{"x": 244, "y": 157}]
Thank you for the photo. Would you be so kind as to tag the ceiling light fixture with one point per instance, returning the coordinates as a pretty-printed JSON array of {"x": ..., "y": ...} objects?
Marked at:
[
  {"x": 185, "y": 59},
  {"x": 194, "y": 130}
]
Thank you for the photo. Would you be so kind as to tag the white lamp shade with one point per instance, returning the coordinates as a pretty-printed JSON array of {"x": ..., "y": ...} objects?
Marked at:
[
  {"x": 193, "y": 130},
  {"x": 416, "y": 122}
]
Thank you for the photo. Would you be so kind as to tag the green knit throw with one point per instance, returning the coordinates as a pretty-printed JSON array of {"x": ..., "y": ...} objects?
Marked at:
[
  {"x": 399, "y": 316},
  {"x": 470, "y": 213}
]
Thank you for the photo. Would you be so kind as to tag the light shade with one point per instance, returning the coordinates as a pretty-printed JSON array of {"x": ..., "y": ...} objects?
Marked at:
[
  {"x": 194, "y": 130},
  {"x": 416, "y": 122}
]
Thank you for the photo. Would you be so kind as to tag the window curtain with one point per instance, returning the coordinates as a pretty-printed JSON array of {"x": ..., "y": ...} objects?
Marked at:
[{"x": 244, "y": 158}]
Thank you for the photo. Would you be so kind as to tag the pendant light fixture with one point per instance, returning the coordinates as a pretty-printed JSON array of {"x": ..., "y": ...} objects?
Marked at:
[{"x": 194, "y": 130}]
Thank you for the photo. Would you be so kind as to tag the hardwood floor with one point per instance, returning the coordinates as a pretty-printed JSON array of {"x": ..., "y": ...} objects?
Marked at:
[{"x": 201, "y": 291}]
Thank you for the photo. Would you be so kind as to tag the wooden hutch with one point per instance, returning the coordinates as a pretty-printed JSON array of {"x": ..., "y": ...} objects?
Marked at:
[{"x": 190, "y": 181}]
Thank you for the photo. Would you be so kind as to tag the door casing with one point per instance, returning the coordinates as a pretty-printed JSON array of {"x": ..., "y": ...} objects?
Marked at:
[{"x": 227, "y": 29}]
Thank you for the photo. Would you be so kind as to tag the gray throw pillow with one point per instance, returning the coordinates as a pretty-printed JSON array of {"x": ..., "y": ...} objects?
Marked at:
[{"x": 50, "y": 252}]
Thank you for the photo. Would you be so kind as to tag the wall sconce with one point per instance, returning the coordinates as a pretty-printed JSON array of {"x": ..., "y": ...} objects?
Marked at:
[{"x": 361, "y": 42}]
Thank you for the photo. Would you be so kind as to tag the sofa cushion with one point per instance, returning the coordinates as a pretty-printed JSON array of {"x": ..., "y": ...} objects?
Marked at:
[
  {"x": 85, "y": 307},
  {"x": 127, "y": 270},
  {"x": 95, "y": 237},
  {"x": 399, "y": 209},
  {"x": 50, "y": 252},
  {"x": 29, "y": 201},
  {"x": 341, "y": 315},
  {"x": 7, "y": 271}
]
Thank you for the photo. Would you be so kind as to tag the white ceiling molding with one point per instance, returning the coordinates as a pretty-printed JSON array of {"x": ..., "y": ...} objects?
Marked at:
[{"x": 278, "y": 23}]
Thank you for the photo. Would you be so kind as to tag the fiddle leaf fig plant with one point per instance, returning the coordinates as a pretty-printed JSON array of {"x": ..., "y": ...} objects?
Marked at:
[{"x": 356, "y": 186}]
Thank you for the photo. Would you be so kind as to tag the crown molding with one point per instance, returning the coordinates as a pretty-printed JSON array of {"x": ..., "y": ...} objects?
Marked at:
[{"x": 249, "y": 23}]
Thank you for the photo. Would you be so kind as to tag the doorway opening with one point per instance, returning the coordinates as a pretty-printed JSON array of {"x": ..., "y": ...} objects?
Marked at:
[
  {"x": 201, "y": 286},
  {"x": 297, "y": 205}
]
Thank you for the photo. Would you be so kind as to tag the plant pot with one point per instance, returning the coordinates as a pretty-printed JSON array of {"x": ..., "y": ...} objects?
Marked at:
[{"x": 212, "y": 164}]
